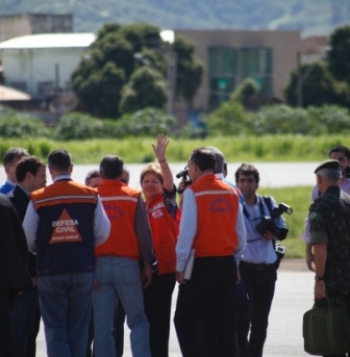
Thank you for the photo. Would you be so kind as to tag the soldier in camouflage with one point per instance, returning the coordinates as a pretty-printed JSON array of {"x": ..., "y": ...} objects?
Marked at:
[{"x": 329, "y": 219}]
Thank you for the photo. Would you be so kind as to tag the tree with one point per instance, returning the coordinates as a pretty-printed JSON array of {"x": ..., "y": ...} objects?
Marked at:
[
  {"x": 127, "y": 49},
  {"x": 338, "y": 55},
  {"x": 319, "y": 87},
  {"x": 99, "y": 88},
  {"x": 146, "y": 88},
  {"x": 245, "y": 91},
  {"x": 189, "y": 70}
]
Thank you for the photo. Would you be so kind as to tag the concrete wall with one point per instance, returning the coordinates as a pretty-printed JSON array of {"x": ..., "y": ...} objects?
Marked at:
[{"x": 20, "y": 25}]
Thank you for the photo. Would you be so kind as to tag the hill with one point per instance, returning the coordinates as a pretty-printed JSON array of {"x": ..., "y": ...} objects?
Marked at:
[{"x": 311, "y": 17}]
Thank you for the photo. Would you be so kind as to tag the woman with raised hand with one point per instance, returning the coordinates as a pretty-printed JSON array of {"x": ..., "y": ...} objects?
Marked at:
[{"x": 160, "y": 195}]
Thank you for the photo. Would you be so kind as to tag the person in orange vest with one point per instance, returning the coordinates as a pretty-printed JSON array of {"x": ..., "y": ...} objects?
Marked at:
[
  {"x": 212, "y": 226},
  {"x": 93, "y": 179},
  {"x": 63, "y": 223},
  {"x": 117, "y": 263},
  {"x": 163, "y": 215}
]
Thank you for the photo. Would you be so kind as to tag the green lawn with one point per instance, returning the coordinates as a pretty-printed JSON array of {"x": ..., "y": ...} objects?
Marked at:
[
  {"x": 299, "y": 199},
  {"x": 266, "y": 148}
]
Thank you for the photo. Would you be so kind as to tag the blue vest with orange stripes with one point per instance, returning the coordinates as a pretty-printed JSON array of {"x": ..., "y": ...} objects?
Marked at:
[{"x": 65, "y": 234}]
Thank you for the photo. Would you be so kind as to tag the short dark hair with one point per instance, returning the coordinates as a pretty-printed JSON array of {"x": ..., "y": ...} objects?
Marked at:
[
  {"x": 111, "y": 167},
  {"x": 219, "y": 159},
  {"x": 13, "y": 154},
  {"x": 90, "y": 175},
  {"x": 59, "y": 160},
  {"x": 126, "y": 175},
  {"x": 247, "y": 170},
  {"x": 28, "y": 164},
  {"x": 340, "y": 148},
  {"x": 204, "y": 159}
]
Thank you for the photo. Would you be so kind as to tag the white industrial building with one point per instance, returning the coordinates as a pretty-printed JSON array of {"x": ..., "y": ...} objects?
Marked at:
[{"x": 37, "y": 64}]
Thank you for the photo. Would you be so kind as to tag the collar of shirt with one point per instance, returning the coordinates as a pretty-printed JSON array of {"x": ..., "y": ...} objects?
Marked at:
[
  {"x": 62, "y": 177},
  {"x": 220, "y": 176}
]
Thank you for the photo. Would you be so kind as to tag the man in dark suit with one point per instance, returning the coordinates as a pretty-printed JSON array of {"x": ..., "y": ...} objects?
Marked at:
[
  {"x": 14, "y": 276},
  {"x": 25, "y": 314}
]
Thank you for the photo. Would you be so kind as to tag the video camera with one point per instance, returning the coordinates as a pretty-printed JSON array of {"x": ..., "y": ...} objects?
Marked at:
[
  {"x": 185, "y": 179},
  {"x": 268, "y": 224}
]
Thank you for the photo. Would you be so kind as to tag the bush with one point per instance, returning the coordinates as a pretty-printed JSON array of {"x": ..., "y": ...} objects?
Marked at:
[
  {"x": 329, "y": 119},
  {"x": 12, "y": 125},
  {"x": 281, "y": 119},
  {"x": 78, "y": 126},
  {"x": 147, "y": 122},
  {"x": 229, "y": 119},
  {"x": 245, "y": 91}
]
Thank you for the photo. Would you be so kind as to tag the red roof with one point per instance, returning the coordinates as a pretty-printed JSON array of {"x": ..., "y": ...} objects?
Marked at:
[{"x": 314, "y": 44}]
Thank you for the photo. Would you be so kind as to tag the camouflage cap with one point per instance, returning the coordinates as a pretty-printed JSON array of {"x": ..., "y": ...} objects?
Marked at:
[{"x": 328, "y": 164}]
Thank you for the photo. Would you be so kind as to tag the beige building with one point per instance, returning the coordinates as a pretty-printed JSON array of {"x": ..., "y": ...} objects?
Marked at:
[
  {"x": 20, "y": 25},
  {"x": 230, "y": 56}
]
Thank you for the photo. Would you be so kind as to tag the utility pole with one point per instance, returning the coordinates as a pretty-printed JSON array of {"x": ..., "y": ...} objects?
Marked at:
[{"x": 171, "y": 59}]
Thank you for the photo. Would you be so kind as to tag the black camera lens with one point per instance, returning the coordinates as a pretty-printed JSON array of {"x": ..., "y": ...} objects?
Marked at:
[{"x": 285, "y": 208}]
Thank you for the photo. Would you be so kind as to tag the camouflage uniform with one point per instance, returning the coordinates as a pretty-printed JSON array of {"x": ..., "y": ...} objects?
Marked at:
[{"x": 329, "y": 219}]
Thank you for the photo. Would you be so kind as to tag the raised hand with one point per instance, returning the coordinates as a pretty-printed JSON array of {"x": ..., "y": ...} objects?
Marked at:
[{"x": 159, "y": 148}]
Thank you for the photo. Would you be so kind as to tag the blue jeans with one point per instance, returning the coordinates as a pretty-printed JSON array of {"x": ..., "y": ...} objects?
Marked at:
[
  {"x": 65, "y": 304},
  {"x": 119, "y": 278}
]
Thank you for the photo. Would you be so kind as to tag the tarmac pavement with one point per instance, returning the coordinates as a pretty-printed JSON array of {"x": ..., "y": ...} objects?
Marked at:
[{"x": 293, "y": 296}]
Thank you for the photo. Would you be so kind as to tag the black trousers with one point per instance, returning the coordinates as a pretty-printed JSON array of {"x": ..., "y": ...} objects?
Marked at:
[
  {"x": 212, "y": 286},
  {"x": 6, "y": 346},
  {"x": 157, "y": 301},
  {"x": 254, "y": 301}
]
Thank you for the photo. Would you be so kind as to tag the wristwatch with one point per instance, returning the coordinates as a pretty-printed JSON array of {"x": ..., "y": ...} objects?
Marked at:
[{"x": 318, "y": 278}]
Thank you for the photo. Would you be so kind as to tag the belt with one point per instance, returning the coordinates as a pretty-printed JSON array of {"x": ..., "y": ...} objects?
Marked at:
[{"x": 255, "y": 266}]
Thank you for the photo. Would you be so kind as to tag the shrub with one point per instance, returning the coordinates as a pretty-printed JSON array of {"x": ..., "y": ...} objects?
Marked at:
[
  {"x": 281, "y": 119},
  {"x": 147, "y": 122},
  {"x": 245, "y": 91},
  {"x": 78, "y": 126},
  {"x": 329, "y": 119},
  {"x": 13, "y": 125},
  {"x": 229, "y": 119}
]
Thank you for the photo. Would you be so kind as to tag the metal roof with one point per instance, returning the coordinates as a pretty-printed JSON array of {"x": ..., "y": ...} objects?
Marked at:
[
  {"x": 49, "y": 40},
  {"x": 7, "y": 93}
]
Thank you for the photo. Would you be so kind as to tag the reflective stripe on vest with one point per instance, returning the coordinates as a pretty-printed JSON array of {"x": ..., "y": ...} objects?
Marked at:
[
  {"x": 119, "y": 198},
  {"x": 214, "y": 192},
  {"x": 58, "y": 198}
]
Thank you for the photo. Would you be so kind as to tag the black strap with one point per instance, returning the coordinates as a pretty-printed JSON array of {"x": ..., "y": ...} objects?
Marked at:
[{"x": 268, "y": 203}]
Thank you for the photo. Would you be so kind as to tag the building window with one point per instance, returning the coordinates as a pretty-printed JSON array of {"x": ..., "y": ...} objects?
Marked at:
[
  {"x": 256, "y": 63},
  {"x": 22, "y": 86},
  {"x": 45, "y": 89},
  {"x": 222, "y": 74}
]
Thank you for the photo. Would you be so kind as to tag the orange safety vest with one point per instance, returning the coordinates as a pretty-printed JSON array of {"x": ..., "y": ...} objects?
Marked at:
[
  {"x": 119, "y": 202},
  {"x": 217, "y": 207},
  {"x": 165, "y": 230}
]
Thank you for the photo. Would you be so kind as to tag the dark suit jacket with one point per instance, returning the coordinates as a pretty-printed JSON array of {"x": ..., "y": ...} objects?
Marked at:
[
  {"x": 20, "y": 199},
  {"x": 13, "y": 249}
]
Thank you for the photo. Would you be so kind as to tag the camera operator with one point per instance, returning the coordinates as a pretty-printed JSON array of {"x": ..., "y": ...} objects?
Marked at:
[
  {"x": 258, "y": 267},
  {"x": 342, "y": 154}
]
